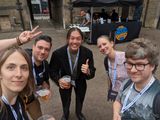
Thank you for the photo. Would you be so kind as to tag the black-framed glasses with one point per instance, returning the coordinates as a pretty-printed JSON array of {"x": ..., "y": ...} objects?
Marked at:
[{"x": 139, "y": 67}]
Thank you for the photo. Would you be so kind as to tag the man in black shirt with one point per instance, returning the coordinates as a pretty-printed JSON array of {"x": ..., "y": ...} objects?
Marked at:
[{"x": 39, "y": 53}]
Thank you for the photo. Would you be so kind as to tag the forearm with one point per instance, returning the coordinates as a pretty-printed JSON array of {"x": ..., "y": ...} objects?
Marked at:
[
  {"x": 116, "y": 110},
  {"x": 55, "y": 77},
  {"x": 5, "y": 43}
]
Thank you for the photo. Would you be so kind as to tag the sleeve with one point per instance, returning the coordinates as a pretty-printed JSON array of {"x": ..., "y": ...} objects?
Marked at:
[
  {"x": 54, "y": 67},
  {"x": 91, "y": 66},
  {"x": 156, "y": 106},
  {"x": 88, "y": 17}
]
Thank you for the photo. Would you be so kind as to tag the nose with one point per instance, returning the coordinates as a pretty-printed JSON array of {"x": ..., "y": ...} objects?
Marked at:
[
  {"x": 133, "y": 69},
  {"x": 102, "y": 48},
  {"x": 18, "y": 72},
  {"x": 43, "y": 51}
]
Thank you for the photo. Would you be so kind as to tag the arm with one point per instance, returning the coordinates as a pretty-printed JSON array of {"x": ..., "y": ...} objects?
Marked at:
[
  {"x": 88, "y": 20},
  {"x": 156, "y": 106},
  {"x": 116, "y": 110},
  {"x": 54, "y": 68},
  {"x": 23, "y": 38},
  {"x": 55, "y": 71},
  {"x": 88, "y": 68}
]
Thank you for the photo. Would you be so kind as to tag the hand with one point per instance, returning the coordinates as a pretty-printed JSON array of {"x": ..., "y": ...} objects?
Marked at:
[
  {"x": 26, "y": 36},
  {"x": 63, "y": 84},
  {"x": 85, "y": 68},
  {"x": 116, "y": 116}
]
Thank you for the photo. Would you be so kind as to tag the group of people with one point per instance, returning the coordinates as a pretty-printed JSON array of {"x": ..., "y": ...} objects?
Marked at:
[
  {"x": 132, "y": 84},
  {"x": 113, "y": 16}
]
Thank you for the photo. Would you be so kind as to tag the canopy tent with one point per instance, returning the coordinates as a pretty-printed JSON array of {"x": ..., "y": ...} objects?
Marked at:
[
  {"x": 97, "y": 3},
  {"x": 102, "y": 3}
]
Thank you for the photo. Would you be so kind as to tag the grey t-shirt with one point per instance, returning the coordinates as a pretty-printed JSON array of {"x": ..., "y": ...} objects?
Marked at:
[{"x": 143, "y": 108}]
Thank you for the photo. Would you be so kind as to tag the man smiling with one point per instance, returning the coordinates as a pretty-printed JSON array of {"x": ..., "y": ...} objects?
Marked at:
[
  {"x": 138, "y": 96},
  {"x": 39, "y": 54}
]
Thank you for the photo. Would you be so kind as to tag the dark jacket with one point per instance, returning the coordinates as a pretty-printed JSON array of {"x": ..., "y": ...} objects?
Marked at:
[{"x": 59, "y": 65}]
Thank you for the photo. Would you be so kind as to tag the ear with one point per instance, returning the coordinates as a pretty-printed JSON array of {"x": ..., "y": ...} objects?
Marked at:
[
  {"x": 112, "y": 43},
  {"x": 153, "y": 67}
]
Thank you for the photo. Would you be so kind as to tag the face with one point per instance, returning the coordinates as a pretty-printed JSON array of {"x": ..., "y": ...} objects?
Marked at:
[
  {"x": 82, "y": 13},
  {"x": 41, "y": 50},
  {"x": 105, "y": 46},
  {"x": 14, "y": 73},
  {"x": 74, "y": 41},
  {"x": 140, "y": 76}
]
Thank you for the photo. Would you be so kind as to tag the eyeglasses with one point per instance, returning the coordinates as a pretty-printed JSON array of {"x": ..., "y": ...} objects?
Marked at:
[{"x": 139, "y": 67}]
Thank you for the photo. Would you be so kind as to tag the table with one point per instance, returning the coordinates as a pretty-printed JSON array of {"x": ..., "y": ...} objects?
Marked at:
[
  {"x": 83, "y": 29},
  {"x": 125, "y": 31}
]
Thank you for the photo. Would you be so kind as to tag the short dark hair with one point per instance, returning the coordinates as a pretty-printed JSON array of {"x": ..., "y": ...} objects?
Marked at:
[{"x": 45, "y": 38}]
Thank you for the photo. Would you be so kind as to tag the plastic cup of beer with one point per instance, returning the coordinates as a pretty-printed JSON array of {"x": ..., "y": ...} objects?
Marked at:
[
  {"x": 43, "y": 93},
  {"x": 67, "y": 78}
]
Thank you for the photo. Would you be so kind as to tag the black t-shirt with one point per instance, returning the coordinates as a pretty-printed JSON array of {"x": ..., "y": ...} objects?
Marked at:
[{"x": 41, "y": 75}]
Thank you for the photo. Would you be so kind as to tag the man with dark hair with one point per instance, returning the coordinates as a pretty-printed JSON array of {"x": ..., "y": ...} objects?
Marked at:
[
  {"x": 114, "y": 16},
  {"x": 39, "y": 53},
  {"x": 76, "y": 62},
  {"x": 137, "y": 98}
]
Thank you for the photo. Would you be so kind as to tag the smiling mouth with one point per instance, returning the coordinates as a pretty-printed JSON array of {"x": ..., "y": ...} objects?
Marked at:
[{"x": 18, "y": 82}]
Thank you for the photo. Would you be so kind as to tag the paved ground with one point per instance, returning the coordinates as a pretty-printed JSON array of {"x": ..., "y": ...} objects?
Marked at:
[{"x": 96, "y": 106}]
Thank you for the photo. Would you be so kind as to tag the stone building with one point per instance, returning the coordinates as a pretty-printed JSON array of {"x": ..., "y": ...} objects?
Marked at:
[{"x": 12, "y": 17}]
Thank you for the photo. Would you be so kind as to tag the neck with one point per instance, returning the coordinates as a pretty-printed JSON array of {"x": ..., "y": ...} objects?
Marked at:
[
  {"x": 11, "y": 97},
  {"x": 37, "y": 63},
  {"x": 112, "y": 56},
  {"x": 73, "y": 52},
  {"x": 140, "y": 85}
]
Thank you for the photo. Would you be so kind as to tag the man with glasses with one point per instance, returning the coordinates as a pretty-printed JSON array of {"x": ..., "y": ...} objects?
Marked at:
[
  {"x": 138, "y": 100},
  {"x": 39, "y": 54}
]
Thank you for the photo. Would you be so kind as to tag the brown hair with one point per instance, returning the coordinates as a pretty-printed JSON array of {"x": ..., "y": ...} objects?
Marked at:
[
  {"x": 142, "y": 48},
  {"x": 30, "y": 84}
]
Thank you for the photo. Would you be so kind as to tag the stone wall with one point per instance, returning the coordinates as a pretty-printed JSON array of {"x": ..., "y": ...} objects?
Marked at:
[
  {"x": 152, "y": 13},
  {"x": 10, "y": 17}
]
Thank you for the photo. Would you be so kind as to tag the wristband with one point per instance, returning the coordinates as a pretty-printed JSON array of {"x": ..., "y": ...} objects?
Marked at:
[{"x": 18, "y": 41}]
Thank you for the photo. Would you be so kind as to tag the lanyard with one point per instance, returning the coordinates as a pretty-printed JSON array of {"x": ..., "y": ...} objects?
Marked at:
[
  {"x": 125, "y": 106},
  {"x": 34, "y": 71},
  {"x": 4, "y": 99},
  {"x": 115, "y": 71},
  {"x": 70, "y": 61}
]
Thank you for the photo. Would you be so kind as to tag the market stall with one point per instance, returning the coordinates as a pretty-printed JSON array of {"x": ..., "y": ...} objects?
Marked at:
[{"x": 123, "y": 31}]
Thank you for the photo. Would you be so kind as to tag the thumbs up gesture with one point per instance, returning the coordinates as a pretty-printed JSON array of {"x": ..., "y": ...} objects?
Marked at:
[{"x": 85, "y": 68}]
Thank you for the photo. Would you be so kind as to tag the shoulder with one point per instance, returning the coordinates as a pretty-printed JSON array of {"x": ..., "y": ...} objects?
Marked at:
[
  {"x": 29, "y": 51},
  {"x": 85, "y": 49},
  {"x": 156, "y": 106},
  {"x": 3, "y": 110},
  {"x": 61, "y": 49},
  {"x": 120, "y": 57},
  {"x": 106, "y": 63}
]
